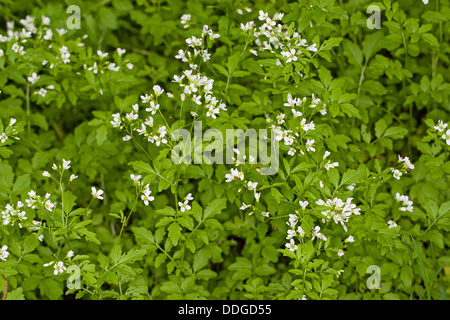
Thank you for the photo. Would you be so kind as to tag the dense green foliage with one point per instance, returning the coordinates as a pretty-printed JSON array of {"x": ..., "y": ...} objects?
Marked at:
[{"x": 94, "y": 207}]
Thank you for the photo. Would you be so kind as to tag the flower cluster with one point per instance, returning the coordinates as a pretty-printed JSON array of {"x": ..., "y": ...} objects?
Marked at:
[
  {"x": 11, "y": 131},
  {"x": 11, "y": 214},
  {"x": 407, "y": 204},
  {"x": 4, "y": 253},
  {"x": 440, "y": 127},
  {"x": 403, "y": 165},
  {"x": 195, "y": 85},
  {"x": 339, "y": 211},
  {"x": 275, "y": 37},
  {"x": 36, "y": 201},
  {"x": 131, "y": 122},
  {"x": 297, "y": 139},
  {"x": 59, "y": 266},
  {"x": 146, "y": 196},
  {"x": 106, "y": 65}
]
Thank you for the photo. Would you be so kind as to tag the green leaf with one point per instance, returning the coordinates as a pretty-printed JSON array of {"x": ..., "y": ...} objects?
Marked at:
[
  {"x": 214, "y": 208},
  {"x": 201, "y": 259},
  {"x": 380, "y": 127},
  {"x": 371, "y": 44},
  {"x": 395, "y": 132},
  {"x": 16, "y": 294},
  {"x": 68, "y": 201},
  {"x": 21, "y": 184},
  {"x": 174, "y": 233},
  {"x": 107, "y": 17}
]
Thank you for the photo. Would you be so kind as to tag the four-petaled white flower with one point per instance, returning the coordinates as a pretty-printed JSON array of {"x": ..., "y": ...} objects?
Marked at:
[
  {"x": 309, "y": 145},
  {"x": 440, "y": 126},
  {"x": 33, "y": 78},
  {"x": 446, "y": 137},
  {"x": 291, "y": 55},
  {"x": 146, "y": 196},
  {"x": 3, "y": 137},
  {"x": 396, "y": 174},
  {"x": 97, "y": 193},
  {"x": 184, "y": 206},
  {"x": 59, "y": 268},
  {"x": 391, "y": 224},
  {"x": 350, "y": 239},
  {"x": 291, "y": 245}
]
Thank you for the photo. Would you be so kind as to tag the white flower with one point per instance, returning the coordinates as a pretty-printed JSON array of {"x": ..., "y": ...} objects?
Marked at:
[
  {"x": 446, "y": 137},
  {"x": 70, "y": 254},
  {"x": 291, "y": 234},
  {"x": 263, "y": 15},
  {"x": 234, "y": 175},
  {"x": 59, "y": 268},
  {"x": 72, "y": 177},
  {"x": 102, "y": 54},
  {"x": 146, "y": 197},
  {"x": 303, "y": 204},
  {"x": 265, "y": 214},
  {"x": 300, "y": 231},
  {"x": 66, "y": 164},
  {"x": 290, "y": 55},
  {"x": 316, "y": 233},
  {"x": 46, "y": 174},
  {"x": 33, "y": 78},
  {"x": 97, "y": 193},
  {"x": 158, "y": 90},
  {"x": 407, "y": 162},
  {"x": 291, "y": 245},
  {"x": 327, "y": 153},
  {"x": 397, "y": 174},
  {"x": 350, "y": 239},
  {"x": 330, "y": 165},
  {"x": 185, "y": 18},
  {"x": 94, "y": 68},
  {"x": 189, "y": 197},
  {"x": 252, "y": 185},
  {"x": 184, "y": 206},
  {"x": 425, "y": 1},
  {"x": 3, "y": 137},
  {"x": 309, "y": 145},
  {"x": 340, "y": 253},
  {"x": 440, "y": 126},
  {"x": 41, "y": 238},
  {"x": 4, "y": 253},
  {"x": 351, "y": 187},
  {"x": 42, "y": 92},
  {"x": 49, "y": 205},
  {"x": 126, "y": 138},
  {"x": 153, "y": 107},
  {"x": 391, "y": 224},
  {"x": 112, "y": 67},
  {"x": 292, "y": 220},
  {"x": 45, "y": 20},
  {"x": 121, "y": 51},
  {"x": 312, "y": 48},
  {"x": 130, "y": 66},
  {"x": 291, "y": 151},
  {"x": 135, "y": 178}
]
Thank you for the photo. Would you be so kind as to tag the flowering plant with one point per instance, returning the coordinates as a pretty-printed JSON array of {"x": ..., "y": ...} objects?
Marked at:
[{"x": 112, "y": 186}]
